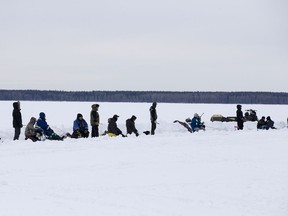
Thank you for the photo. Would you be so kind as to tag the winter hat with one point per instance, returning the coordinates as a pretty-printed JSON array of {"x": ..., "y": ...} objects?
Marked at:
[
  {"x": 196, "y": 115},
  {"x": 33, "y": 120},
  {"x": 16, "y": 105},
  {"x": 115, "y": 117},
  {"x": 94, "y": 106},
  {"x": 188, "y": 120},
  {"x": 42, "y": 115},
  {"x": 133, "y": 117},
  {"x": 79, "y": 115}
]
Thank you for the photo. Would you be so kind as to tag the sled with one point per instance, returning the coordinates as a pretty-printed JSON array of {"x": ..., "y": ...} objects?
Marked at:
[{"x": 221, "y": 118}]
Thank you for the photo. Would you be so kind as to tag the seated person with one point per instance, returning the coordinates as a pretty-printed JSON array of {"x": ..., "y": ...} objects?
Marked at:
[
  {"x": 31, "y": 132},
  {"x": 261, "y": 123},
  {"x": 47, "y": 131},
  {"x": 130, "y": 126},
  {"x": 269, "y": 123},
  {"x": 113, "y": 129},
  {"x": 80, "y": 127},
  {"x": 196, "y": 123}
]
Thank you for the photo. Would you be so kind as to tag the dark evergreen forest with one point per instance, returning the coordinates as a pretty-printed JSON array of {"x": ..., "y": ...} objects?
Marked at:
[{"x": 148, "y": 96}]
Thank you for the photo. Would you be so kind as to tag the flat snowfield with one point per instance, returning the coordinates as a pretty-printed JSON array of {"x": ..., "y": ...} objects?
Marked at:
[{"x": 217, "y": 172}]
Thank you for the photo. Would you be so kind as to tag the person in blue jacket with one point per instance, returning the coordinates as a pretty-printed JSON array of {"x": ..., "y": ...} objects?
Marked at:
[
  {"x": 47, "y": 131},
  {"x": 196, "y": 123},
  {"x": 80, "y": 127}
]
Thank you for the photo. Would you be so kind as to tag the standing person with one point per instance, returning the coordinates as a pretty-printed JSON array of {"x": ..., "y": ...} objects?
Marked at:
[
  {"x": 94, "y": 120},
  {"x": 239, "y": 117},
  {"x": 130, "y": 126},
  {"x": 17, "y": 120},
  {"x": 153, "y": 117},
  {"x": 80, "y": 127}
]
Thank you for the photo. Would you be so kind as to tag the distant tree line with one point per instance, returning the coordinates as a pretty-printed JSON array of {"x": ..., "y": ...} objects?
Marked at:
[{"x": 148, "y": 96}]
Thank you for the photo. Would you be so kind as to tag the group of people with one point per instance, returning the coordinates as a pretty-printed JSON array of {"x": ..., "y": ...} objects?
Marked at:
[
  {"x": 40, "y": 129},
  {"x": 265, "y": 124},
  {"x": 261, "y": 124},
  {"x": 37, "y": 129}
]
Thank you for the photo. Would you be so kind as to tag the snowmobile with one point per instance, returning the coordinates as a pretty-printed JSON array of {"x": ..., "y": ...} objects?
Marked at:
[
  {"x": 250, "y": 115},
  {"x": 218, "y": 117}
]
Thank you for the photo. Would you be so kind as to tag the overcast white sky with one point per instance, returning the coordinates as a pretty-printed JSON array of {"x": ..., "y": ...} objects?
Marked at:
[{"x": 176, "y": 45}]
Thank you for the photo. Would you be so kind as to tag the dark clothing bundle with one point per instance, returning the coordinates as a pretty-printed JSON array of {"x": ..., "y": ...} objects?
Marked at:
[{"x": 17, "y": 120}]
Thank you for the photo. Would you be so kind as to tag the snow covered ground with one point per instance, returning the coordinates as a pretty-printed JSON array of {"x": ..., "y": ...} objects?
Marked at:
[{"x": 219, "y": 172}]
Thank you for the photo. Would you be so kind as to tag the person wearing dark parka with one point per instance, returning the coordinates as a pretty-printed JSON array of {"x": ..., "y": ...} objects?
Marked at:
[
  {"x": 130, "y": 125},
  {"x": 153, "y": 117},
  {"x": 239, "y": 117},
  {"x": 17, "y": 120}
]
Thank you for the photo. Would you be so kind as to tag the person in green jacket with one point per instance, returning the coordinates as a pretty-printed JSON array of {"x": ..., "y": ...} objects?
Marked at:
[{"x": 94, "y": 120}]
